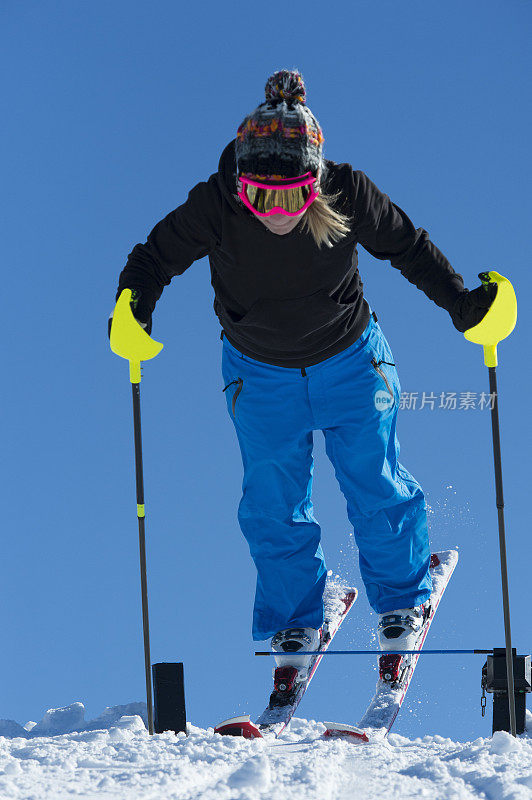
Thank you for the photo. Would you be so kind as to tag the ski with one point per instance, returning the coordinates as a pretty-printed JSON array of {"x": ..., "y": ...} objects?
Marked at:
[
  {"x": 337, "y": 601},
  {"x": 396, "y": 671}
]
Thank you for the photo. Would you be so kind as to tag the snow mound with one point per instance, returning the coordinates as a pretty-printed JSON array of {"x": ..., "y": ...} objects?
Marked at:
[
  {"x": 70, "y": 719},
  {"x": 11, "y": 729},
  {"x": 113, "y": 756}
]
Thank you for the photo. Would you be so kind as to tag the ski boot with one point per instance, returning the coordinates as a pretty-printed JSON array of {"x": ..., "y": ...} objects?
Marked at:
[
  {"x": 292, "y": 670},
  {"x": 400, "y": 630}
]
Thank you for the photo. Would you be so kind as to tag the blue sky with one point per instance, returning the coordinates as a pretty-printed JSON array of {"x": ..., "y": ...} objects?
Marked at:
[{"x": 114, "y": 111}]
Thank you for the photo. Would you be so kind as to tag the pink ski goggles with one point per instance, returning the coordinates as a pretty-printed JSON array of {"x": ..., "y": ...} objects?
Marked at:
[{"x": 288, "y": 196}]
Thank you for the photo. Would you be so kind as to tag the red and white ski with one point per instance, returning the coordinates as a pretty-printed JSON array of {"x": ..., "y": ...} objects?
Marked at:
[
  {"x": 396, "y": 671},
  {"x": 337, "y": 601}
]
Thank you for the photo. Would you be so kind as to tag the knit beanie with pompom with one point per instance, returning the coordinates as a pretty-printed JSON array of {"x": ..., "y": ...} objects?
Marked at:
[{"x": 281, "y": 138}]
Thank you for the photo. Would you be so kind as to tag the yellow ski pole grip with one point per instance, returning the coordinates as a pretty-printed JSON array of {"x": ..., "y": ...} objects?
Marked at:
[
  {"x": 129, "y": 339},
  {"x": 500, "y": 319}
]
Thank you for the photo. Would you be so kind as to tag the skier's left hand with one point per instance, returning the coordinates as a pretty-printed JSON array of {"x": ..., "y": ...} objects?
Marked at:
[
  {"x": 141, "y": 314},
  {"x": 472, "y": 306}
]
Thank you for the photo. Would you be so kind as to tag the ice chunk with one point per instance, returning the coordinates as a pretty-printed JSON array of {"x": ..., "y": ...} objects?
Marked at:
[{"x": 61, "y": 720}]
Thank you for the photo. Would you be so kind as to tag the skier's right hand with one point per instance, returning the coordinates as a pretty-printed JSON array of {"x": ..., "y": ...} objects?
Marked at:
[{"x": 141, "y": 314}]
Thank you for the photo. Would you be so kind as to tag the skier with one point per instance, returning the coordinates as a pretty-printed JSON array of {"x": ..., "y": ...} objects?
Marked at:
[{"x": 303, "y": 351}]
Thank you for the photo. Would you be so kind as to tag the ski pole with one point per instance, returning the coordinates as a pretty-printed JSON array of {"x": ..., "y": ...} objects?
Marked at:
[
  {"x": 377, "y": 652},
  {"x": 129, "y": 340},
  {"x": 497, "y": 324}
]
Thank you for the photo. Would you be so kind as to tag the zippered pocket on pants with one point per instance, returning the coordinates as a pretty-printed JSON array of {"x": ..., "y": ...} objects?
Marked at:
[
  {"x": 377, "y": 367},
  {"x": 239, "y": 384}
]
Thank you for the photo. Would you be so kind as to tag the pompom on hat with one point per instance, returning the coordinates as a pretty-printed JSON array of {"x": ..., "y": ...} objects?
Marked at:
[{"x": 281, "y": 138}]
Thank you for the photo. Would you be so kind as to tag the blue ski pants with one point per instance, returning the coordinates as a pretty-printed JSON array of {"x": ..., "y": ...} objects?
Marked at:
[{"x": 353, "y": 398}]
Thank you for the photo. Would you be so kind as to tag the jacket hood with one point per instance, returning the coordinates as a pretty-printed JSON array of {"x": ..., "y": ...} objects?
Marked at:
[{"x": 227, "y": 175}]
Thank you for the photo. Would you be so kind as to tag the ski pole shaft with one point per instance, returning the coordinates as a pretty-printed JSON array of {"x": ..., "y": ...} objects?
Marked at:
[
  {"x": 502, "y": 545},
  {"x": 378, "y": 652},
  {"x": 142, "y": 549}
]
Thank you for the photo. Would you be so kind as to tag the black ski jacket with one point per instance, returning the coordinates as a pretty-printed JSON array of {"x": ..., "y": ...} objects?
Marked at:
[{"x": 282, "y": 299}]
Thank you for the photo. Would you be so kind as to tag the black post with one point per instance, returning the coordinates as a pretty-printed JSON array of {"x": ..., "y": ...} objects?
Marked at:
[
  {"x": 169, "y": 698},
  {"x": 502, "y": 546},
  {"x": 495, "y": 681},
  {"x": 142, "y": 548}
]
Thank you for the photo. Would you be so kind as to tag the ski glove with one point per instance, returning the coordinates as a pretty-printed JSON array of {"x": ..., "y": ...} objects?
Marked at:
[
  {"x": 472, "y": 306},
  {"x": 141, "y": 314}
]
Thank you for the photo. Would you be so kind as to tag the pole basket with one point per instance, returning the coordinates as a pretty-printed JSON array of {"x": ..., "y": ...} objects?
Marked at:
[
  {"x": 494, "y": 681},
  {"x": 169, "y": 698}
]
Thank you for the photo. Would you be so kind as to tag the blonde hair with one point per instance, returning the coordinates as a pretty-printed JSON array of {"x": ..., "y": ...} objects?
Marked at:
[{"x": 324, "y": 222}]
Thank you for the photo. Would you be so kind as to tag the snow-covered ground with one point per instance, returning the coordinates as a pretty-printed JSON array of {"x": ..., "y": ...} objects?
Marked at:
[{"x": 113, "y": 757}]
